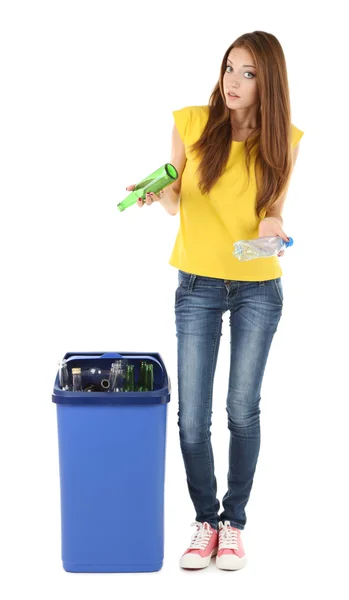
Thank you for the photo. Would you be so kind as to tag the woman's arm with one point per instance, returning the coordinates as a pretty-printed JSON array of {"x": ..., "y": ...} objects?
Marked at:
[
  {"x": 170, "y": 195},
  {"x": 276, "y": 209}
]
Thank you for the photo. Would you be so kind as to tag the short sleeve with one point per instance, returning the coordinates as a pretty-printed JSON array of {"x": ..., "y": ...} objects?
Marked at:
[
  {"x": 296, "y": 135},
  {"x": 182, "y": 118}
]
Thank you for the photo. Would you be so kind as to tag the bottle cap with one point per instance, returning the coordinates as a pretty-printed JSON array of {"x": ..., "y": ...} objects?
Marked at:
[{"x": 290, "y": 243}]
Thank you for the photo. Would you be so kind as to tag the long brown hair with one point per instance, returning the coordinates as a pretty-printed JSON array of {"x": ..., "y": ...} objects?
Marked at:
[{"x": 270, "y": 140}]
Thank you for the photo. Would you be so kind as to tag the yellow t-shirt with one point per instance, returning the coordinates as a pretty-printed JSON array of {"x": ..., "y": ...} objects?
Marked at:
[{"x": 209, "y": 225}]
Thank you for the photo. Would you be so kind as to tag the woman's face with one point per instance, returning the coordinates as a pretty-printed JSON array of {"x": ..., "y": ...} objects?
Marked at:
[{"x": 240, "y": 78}]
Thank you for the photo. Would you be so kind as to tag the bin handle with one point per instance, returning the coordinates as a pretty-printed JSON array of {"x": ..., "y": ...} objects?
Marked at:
[
  {"x": 86, "y": 356},
  {"x": 82, "y": 357}
]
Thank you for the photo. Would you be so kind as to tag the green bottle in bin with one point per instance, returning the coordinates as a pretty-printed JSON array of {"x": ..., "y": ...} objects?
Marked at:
[
  {"x": 129, "y": 379},
  {"x": 141, "y": 378},
  {"x": 149, "y": 378},
  {"x": 155, "y": 182}
]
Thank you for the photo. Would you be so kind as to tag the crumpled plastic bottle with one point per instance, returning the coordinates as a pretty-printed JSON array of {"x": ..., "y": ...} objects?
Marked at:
[{"x": 262, "y": 247}]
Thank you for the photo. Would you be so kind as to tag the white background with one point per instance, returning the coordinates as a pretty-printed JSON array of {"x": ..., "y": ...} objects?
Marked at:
[{"x": 88, "y": 90}]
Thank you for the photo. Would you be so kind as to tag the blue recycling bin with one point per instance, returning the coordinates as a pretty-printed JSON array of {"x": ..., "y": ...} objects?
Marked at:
[{"x": 112, "y": 470}]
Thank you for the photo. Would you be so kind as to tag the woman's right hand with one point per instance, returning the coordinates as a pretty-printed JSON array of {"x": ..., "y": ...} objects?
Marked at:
[{"x": 150, "y": 198}]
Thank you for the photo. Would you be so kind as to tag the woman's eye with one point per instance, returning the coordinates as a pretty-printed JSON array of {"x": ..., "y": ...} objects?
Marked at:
[{"x": 253, "y": 75}]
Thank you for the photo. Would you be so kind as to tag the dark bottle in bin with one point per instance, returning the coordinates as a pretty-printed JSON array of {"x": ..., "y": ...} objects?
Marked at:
[{"x": 93, "y": 376}]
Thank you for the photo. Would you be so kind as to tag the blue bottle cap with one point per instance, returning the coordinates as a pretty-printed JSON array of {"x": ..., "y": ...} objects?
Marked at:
[{"x": 290, "y": 243}]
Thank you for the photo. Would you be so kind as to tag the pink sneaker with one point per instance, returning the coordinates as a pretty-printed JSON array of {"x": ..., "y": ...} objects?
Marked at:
[
  {"x": 202, "y": 547},
  {"x": 231, "y": 554}
]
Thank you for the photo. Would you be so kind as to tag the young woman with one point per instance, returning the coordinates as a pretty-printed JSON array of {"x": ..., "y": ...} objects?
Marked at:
[{"x": 234, "y": 158}]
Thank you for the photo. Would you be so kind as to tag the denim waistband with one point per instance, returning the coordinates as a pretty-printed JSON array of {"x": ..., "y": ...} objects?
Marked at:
[{"x": 215, "y": 281}]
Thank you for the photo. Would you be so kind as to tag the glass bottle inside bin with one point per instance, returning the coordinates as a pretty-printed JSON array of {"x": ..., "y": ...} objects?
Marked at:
[
  {"x": 112, "y": 377},
  {"x": 117, "y": 376},
  {"x": 149, "y": 378},
  {"x": 77, "y": 384},
  {"x": 94, "y": 376},
  {"x": 129, "y": 379},
  {"x": 90, "y": 388},
  {"x": 141, "y": 378},
  {"x": 105, "y": 385},
  {"x": 63, "y": 375}
]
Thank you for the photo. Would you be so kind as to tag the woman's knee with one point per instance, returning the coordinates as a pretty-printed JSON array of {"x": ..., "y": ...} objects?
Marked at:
[
  {"x": 192, "y": 432},
  {"x": 243, "y": 414}
]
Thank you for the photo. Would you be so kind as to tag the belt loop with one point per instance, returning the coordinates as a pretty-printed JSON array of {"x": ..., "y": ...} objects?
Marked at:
[{"x": 191, "y": 281}]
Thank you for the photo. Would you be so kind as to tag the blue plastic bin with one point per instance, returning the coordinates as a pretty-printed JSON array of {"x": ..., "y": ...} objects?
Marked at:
[{"x": 112, "y": 471}]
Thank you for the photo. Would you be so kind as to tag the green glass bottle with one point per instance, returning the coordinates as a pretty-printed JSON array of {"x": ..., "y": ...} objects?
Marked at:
[
  {"x": 149, "y": 378},
  {"x": 141, "y": 378},
  {"x": 129, "y": 379},
  {"x": 155, "y": 182}
]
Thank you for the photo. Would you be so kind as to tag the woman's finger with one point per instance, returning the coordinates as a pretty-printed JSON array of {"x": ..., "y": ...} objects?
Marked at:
[{"x": 150, "y": 198}]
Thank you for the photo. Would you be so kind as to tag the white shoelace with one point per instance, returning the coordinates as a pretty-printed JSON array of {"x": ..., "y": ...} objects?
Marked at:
[
  {"x": 228, "y": 538},
  {"x": 201, "y": 537}
]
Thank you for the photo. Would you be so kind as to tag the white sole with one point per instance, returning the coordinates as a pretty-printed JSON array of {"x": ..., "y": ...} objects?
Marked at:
[
  {"x": 230, "y": 562},
  {"x": 195, "y": 561}
]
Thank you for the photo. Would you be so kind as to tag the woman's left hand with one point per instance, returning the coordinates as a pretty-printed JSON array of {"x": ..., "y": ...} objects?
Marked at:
[{"x": 271, "y": 226}]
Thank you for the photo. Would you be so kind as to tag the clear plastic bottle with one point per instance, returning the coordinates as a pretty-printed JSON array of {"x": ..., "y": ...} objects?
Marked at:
[{"x": 261, "y": 247}]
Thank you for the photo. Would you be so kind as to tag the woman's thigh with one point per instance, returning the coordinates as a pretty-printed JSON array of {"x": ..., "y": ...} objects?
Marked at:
[
  {"x": 199, "y": 306},
  {"x": 254, "y": 317}
]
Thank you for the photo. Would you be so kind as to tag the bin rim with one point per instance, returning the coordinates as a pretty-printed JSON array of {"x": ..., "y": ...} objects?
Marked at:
[{"x": 159, "y": 396}]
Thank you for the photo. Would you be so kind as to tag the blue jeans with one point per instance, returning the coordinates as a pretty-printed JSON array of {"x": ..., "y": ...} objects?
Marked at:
[{"x": 255, "y": 310}]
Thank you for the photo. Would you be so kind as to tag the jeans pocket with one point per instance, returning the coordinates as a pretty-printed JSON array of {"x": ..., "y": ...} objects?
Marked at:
[
  {"x": 279, "y": 289},
  {"x": 178, "y": 292},
  {"x": 183, "y": 279}
]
